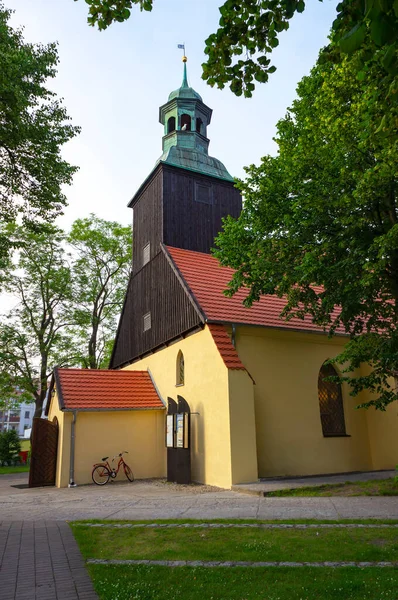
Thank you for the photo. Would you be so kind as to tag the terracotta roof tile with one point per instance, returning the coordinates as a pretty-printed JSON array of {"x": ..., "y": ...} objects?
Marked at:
[
  {"x": 225, "y": 347},
  {"x": 92, "y": 389},
  {"x": 207, "y": 280}
]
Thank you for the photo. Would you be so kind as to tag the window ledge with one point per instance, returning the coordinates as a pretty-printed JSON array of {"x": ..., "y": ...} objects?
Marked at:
[
  {"x": 179, "y": 385},
  {"x": 336, "y": 435}
]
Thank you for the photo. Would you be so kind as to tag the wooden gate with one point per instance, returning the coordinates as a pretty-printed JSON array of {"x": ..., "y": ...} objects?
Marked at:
[{"x": 43, "y": 461}]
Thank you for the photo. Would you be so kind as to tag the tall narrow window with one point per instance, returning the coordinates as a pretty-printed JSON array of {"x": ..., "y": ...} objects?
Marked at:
[
  {"x": 146, "y": 254},
  {"x": 185, "y": 123},
  {"x": 147, "y": 321},
  {"x": 199, "y": 124},
  {"x": 171, "y": 124},
  {"x": 180, "y": 369},
  {"x": 330, "y": 403}
]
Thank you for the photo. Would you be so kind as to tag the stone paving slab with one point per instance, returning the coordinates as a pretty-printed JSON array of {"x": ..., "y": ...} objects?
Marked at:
[
  {"x": 41, "y": 561},
  {"x": 240, "y": 563},
  {"x": 238, "y": 525}
]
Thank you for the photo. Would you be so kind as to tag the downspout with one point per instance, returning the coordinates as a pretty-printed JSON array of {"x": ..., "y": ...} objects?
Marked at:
[
  {"x": 233, "y": 339},
  {"x": 72, "y": 451}
]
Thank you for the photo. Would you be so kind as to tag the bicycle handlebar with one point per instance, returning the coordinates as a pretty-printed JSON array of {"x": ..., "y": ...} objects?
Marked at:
[{"x": 120, "y": 454}]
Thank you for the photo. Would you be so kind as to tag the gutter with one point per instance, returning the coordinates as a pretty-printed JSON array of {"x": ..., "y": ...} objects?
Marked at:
[{"x": 72, "y": 451}]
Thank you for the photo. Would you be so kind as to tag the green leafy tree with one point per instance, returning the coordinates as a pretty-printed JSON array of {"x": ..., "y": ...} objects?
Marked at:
[
  {"x": 33, "y": 128},
  {"x": 100, "y": 274},
  {"x": 323, "y": 212},
  {"x": 239, "y": 51},
  {"x": 32, "y": 335},
  {"x": 10, "y": 447}
]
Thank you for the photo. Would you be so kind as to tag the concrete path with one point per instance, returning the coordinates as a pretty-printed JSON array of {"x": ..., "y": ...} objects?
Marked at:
[
  {"x": 146, "y": 500},
  {"x": 290, "y": 483},
  {"x": 41, "y": 561}
]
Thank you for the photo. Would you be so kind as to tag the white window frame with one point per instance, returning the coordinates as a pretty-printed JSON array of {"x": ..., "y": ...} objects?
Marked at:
[
  {"x": 147, "y": 321},
  {"x": 146, "y": 254}
]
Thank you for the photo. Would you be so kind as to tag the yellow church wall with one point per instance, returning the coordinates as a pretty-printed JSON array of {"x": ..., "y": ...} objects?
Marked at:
[
  {"x": 243, "y": 427},
  {"x": 206, "y": 389},
  {"x": 107, "y": 433},
  {"x": 63, "y": 454},
  {"x": 285, "y": 367},
  {"x": 383, "y": 433}
]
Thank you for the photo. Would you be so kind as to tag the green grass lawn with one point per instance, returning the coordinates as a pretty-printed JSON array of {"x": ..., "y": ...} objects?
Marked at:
[
  {"x": 143, "y": 582},
  {"x": 185, "y": 583},
  {"x": 382, "y": 487},
  {"x": 18, "y": 469},
  {"x": 239, "y": 544}
]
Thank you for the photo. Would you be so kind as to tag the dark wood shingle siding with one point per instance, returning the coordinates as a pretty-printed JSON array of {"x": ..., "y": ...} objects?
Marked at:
[
  {"x": 191, "y": 217},
  {"x": 154, "y": 289},
  {"x": 147, "y": 220}
]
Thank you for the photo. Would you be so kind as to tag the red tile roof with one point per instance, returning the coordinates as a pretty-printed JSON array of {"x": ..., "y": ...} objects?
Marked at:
[
  {"x": 92, "y": 389},
  {"x": 225, "y": 347},
  {"x": 206, "y": 281}
]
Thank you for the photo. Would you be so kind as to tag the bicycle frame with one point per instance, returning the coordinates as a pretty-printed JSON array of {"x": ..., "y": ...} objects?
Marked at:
[{"x": 112, "y": 470}]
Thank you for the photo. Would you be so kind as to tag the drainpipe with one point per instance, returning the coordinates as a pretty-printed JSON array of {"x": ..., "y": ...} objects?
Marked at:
[
  {"x": 72, "y": 451},
  {"x": 233, "y": 340}
]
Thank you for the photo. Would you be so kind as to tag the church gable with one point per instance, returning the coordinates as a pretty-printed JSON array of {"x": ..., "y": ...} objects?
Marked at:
[{"x": 156, "y": 310}]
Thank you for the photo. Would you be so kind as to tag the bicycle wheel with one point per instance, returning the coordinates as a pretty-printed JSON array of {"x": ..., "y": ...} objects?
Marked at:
[
  {"x": 129, "y": 473},
  {"x": 100, "y": 475}
]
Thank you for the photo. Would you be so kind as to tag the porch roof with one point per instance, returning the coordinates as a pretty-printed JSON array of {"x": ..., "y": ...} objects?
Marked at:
[{"x": 103, "y": 389}]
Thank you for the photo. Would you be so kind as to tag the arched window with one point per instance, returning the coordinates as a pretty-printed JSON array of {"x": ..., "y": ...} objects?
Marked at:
[
  {"x": 199, "y": 124},
  {"x": 330, "y": 403},
  {"x": 171, "y": 124},
  {"x": 185, "y": 123},
  {"x": 180, "y": 369}
]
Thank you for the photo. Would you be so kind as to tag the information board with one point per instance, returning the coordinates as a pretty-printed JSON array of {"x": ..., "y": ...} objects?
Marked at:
[
  {"x": 180, "y": 430},
  {"x": 169, "y": 431}
]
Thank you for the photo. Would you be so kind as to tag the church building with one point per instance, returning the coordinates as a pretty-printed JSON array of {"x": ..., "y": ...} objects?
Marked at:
[{"x": 253, "y": 384}]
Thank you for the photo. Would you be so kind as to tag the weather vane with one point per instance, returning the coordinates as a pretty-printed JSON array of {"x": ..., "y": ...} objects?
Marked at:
[{"x": 182, "y": 47}]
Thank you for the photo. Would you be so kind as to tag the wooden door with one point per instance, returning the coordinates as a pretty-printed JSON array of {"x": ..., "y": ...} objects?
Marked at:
[{"x": 43, "y": 461}]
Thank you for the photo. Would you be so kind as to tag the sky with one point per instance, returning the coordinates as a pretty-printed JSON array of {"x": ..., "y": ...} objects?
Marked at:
[{"x": 112, "y": 83}]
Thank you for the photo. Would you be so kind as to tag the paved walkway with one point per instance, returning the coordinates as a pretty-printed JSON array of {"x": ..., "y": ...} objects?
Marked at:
[
  {"x": 146, "y": 500},
  {"x": 41, "y": 561}
]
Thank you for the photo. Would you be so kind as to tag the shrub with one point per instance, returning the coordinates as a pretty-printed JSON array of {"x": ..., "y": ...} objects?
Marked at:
[{"x": 10, "y": 447}]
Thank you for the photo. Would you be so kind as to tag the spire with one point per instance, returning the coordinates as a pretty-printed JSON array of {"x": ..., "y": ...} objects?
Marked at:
[{"x": 185, "y": 77}]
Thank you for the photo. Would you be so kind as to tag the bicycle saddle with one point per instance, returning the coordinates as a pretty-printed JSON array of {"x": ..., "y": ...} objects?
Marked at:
[{"x": 106, "y": 458}]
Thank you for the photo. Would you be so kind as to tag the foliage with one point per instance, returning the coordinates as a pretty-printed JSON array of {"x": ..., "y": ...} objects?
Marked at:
[
  {"x": 33, "y": 128},
  {"x": 323, "y": 212},
  {"x": 32, "y": 338},
  {"x": 67, "y": 304},
  {"x": 10, "y": 447},
  {"x": 239, "y": 51},
  {"x": 101, "y": 271}
]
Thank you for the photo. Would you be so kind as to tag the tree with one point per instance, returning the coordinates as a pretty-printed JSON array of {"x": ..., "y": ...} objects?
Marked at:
[
  {"x": 101, "y": 270},
  {"x": 33, "y": 128},
  {"x": 323, "y": 212},
  {"x": 250, "y": 29},
  {"x": 32, "y": 337}
]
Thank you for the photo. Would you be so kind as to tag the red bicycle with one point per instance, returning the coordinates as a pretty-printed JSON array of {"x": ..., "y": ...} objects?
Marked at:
[{"x": 103, "y": 472}]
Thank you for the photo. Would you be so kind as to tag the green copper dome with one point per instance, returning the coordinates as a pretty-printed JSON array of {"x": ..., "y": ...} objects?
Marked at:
[
  {"x": 185, "y": 144},
  {"x": 185, "y": 91}
]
